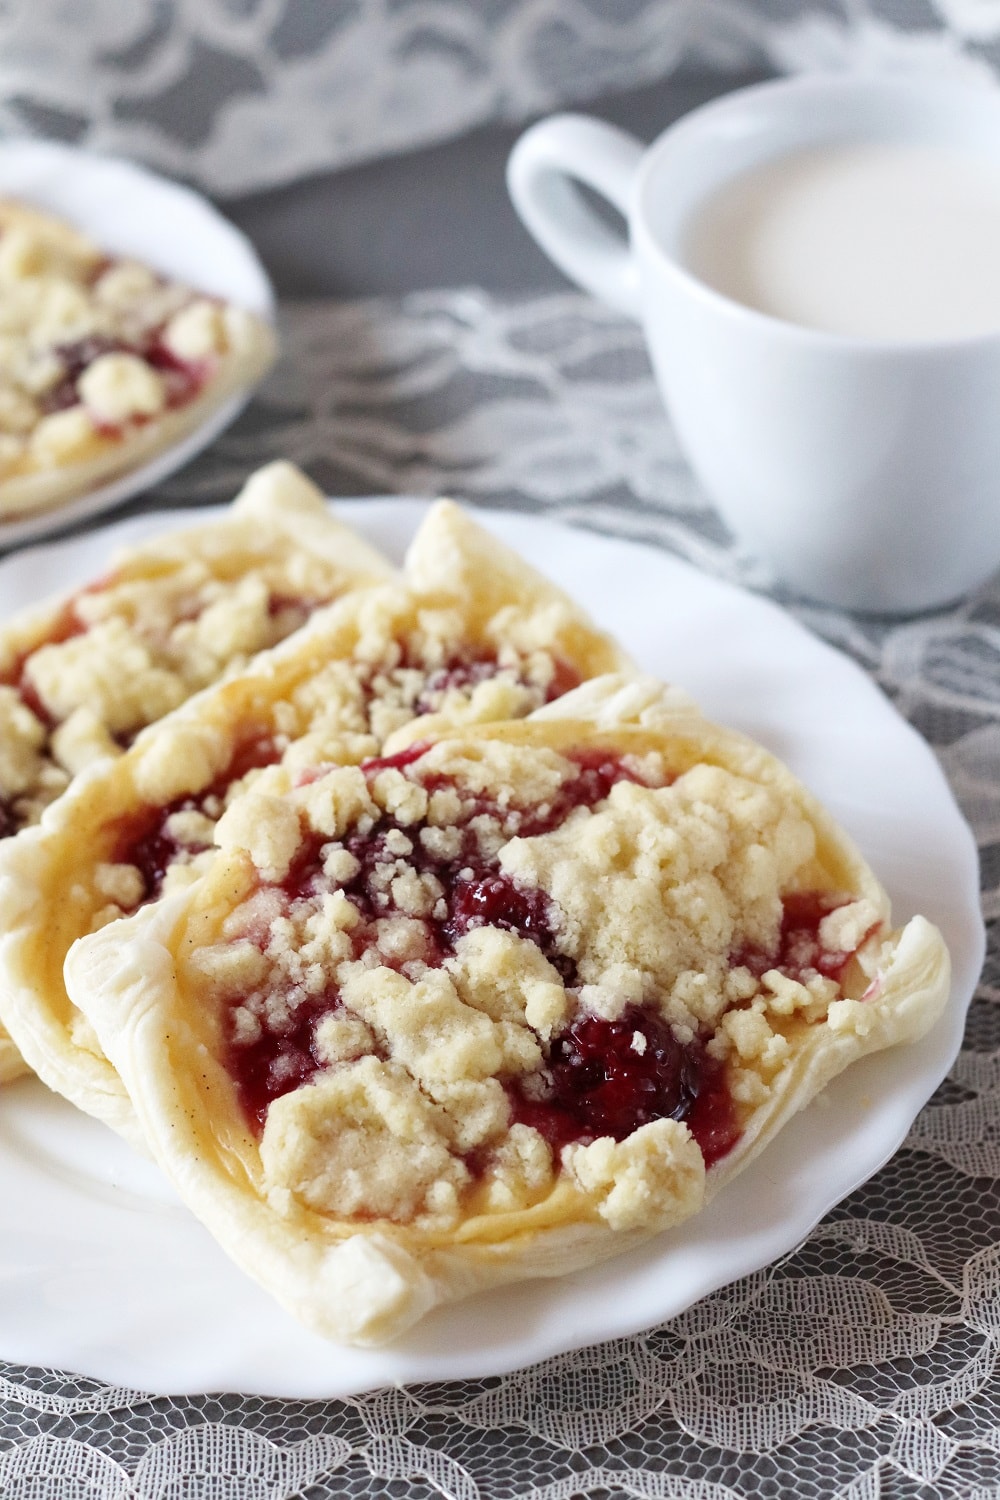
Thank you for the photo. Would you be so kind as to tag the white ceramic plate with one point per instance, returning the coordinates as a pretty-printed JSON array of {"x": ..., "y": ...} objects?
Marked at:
[
  {"x": 103, "y": 1272},
  {"x": 131, "y": 211}
]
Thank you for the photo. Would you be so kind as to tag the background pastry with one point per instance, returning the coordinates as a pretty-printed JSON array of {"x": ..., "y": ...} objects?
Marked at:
[{"x": 104, "y": 362}]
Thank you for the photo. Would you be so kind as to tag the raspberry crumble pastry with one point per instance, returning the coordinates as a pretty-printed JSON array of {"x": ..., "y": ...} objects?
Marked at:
[
  {"x": 500, "y": 1002},
  {"x": 467, "y": 631},
  {"x": 104, "y": 362},
  {"x": 80, "y": 677}
]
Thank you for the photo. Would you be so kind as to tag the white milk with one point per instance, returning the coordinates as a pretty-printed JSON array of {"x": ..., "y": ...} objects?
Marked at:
[{"x": 871, "y": 240}]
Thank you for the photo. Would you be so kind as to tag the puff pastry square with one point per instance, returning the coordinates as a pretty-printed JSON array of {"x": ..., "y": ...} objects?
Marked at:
[
  {"x": 104, "y": 362},
  {"x": 503, "y": 1001},
  {"x": 468, "y": 631},
  {"x": 82, "y": 675}
]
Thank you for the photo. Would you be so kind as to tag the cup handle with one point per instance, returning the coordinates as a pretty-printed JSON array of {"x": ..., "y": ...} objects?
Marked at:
[{"x": 542, "y": 172}]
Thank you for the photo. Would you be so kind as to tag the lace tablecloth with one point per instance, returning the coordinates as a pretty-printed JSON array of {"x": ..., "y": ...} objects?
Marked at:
[
  {"x": 863, "y": 1364},
  {"x": 237, "y": 95}
]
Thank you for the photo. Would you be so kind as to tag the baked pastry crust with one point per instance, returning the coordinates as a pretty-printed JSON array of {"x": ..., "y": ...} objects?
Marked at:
[
  {"x": 81, "y": 675},
  {"x": 104, "y": 362},
  {"x": 499, "y": 1005},
  {"x": 468, "y": 631}
]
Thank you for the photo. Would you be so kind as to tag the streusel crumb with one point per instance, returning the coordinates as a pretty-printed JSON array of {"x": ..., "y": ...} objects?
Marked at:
[{"x": 460, "y": 944}]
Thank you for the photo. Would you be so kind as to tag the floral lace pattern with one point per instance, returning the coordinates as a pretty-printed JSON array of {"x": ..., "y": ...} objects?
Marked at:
[
  {"x": 861, "y": 1365},
  {"x": 242, "y": 94}
]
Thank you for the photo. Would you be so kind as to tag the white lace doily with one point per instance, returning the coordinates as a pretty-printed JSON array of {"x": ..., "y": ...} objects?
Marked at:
[
  {"x": 241, "y": 94},
  {"x": 861, "y": 1367}
]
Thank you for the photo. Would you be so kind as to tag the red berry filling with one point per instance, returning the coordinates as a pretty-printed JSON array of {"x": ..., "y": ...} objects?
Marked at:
[
  {"x": 466, "y": 675},
  {"x": 288, "y": 610},
  {"x": 144, "y": 840},
  {"x": 600, "y": 1077},
  {"x": 799, "y": 950},
  {"x": 149, "y": 846},
  {"x": 474, "y": 892},
  {"x": 611, "y": 1077},
  {"x": 263, "y": 1071},
  {"x": 66, "y": 626},
  {"x": 75, "y": 358},
  {"x": 182, "y": 379}
]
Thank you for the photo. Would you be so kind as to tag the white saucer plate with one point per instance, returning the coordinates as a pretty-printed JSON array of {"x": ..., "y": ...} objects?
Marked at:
[{"x": 106, "y": 1274}]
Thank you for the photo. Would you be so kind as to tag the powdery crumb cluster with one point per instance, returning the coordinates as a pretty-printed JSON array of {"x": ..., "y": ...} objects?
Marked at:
[
  {"x": 91, "y": 345},
  {"x": 428, "y": 949},
  {"x": 406, "y": 661},
  {"x": 133, "y": 650},
  {"x": 401, "y": 658},
  {"x": 411, "y": 658}
]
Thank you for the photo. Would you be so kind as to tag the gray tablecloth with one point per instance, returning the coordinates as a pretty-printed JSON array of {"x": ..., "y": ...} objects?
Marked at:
[{"x": 862, "y": 1365}]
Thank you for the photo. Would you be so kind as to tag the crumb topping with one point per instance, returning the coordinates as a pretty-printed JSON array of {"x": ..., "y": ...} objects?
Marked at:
[
  {"x": 126, "y": 651},
  {"x": 407, "y": 661},
  {"x": 463, "y": 973}
]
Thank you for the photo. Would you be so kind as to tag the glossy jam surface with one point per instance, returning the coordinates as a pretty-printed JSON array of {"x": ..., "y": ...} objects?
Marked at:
[
  {"x": 263, "y": 1071},
  {"x": 608, "y": 1078}
]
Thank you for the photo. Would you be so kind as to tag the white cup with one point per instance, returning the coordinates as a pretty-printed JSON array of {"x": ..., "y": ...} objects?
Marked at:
[{"x": 867, "y": 470}]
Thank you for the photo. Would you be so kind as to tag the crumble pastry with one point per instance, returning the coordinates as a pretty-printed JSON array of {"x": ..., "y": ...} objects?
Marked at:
[
  {"x": 104, "y": 362},
  {"x": 499, "y": 1003},
  {"x": 81, "y": 676},
  {"x": 469, "y": 630}
]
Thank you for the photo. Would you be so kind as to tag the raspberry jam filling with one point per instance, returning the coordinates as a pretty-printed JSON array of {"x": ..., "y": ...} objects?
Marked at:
[
  {"x": 473, "y": 893},
  {"x": 799, "y": 950},
  {"x": 67, "y": 625},
  {"x": 147, "y": 844},
  {"x": 144, "y": 839},
  {"x": 287, "y": 611},
  {"x": 599, "y": 1077},
  {"x": 182, "y": 379},
  {"x": 76, "y": 357},
  {"x": 464, "y": 675},
  {"x": 64, "y": 628},
  {"x": 608, "y": 1078}
]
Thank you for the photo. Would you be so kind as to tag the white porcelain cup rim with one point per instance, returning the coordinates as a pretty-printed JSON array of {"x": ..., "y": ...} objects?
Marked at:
[{"x": 621, "y": 169}]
